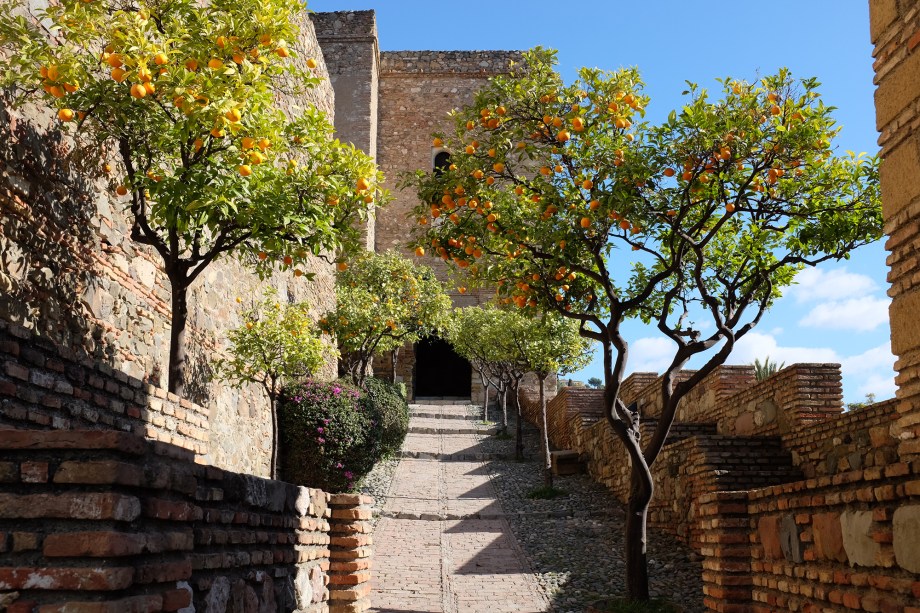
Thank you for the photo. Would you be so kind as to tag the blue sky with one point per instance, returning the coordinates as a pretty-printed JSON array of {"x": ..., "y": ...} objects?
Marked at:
[{"x": 838, "y": 312}]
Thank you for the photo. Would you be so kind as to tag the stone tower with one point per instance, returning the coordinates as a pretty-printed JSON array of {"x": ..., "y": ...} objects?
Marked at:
[{"x": 388, "y": 104}]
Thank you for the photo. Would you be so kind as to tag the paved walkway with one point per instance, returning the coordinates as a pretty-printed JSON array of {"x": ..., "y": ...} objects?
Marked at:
[{"x": 442, "y": 545}]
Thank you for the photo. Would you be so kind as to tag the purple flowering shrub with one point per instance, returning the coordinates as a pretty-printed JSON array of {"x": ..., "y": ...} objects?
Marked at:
[{"x": 329, "y": 438}]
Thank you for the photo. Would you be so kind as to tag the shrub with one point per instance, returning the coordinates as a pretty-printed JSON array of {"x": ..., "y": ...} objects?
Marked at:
[
  {"x": 329, "y": 437},
  {"x": 390, "y": 410}
]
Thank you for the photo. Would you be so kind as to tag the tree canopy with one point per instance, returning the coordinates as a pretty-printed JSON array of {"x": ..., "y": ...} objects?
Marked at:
[
  {"x": 204, "y": 108},
  {"x": 383, "y": 302},
  {"x": 567, "y": 201}
]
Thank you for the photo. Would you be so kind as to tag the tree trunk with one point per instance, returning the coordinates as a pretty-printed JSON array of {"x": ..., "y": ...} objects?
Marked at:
[
  {"x": 636, "y": 550},
  {"x": 276, "y": 444},
  {"x": 519, "y": 439},
  {"x": 177, "y": 349},
  {"x": 547, "y": 461},
  {"x": 504, "y": 393},
  {"x": 485, "y": 402},
  {"x": 394, "y": 357}
]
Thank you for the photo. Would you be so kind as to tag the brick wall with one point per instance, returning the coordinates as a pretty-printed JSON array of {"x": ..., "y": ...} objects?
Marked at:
[
  {"x": 894, "y": 31},
  {"x": 92, "y": 521},
  {"x": 69, "y": 271}
]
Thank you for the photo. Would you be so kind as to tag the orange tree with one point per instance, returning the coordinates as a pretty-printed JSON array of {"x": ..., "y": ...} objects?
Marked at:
[
  {"x": 187, "y": 95},
  {"x": 383, "y": 301},
  {"x": 563, "y": 198}
]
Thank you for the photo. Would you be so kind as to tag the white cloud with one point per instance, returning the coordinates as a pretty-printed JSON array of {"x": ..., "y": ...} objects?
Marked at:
[
  {"x": 861, "y": 314},
  {"x": 837, "y": 284},
  {"x": 651, "y": 354},
  {"x": 877, "y": 358},
  {"x": 760, "y": 345},
  {"x": 883, "y": 387}
]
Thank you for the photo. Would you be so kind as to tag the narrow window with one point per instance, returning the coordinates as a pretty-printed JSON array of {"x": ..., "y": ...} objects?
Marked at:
[{"x": 441, "y": 162}]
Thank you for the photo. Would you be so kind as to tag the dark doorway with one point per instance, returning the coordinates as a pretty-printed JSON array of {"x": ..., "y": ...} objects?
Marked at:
[{"x": 439, "y": 371}]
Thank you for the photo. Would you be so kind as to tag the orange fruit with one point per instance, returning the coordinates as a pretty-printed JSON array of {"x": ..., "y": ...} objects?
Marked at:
[
  {"x": 119, "y": 74},
  {"x": 419, "y": 251},
  {"x": 563, "y": 136},
  {"x": 578, "y": 124},
  {"x": 144, "y": 75},
  {"x": 501, "y": 110},
  {"x": 121, "y": 190},
  {"x": 112, "y": 60},
  {"x": 138, "y": 91},
  {"x": 248, "y": 142},
  {"x": 160, "y": 59},
  {"x": 363, "y": 184},
  {"x": 233, "y": 115},
  {"x": 245, "y": 170},
  {"x": 585, "y": 222},
  {"x": 587, "y": 184},
  {"x": 342, "y": 266},
  {"x": 311, "y": 63},
  {"x": 65, "y": 115},
  {"x": 775, "y": 110},
  {"x": 687, "y": 176},
  {"x": 149, "y": 87},
  {"x": 477, "y": 174},
  {"x": 498, "y": 167},
  {"x": 191, "y": 65},
  {"x": 215, "y": 64},
  {"x": 437, "y": 142},
  {"x": 264, "y": 144},
  {"x": 669, "y": 172},
  {"x": 594, "y": 205}
]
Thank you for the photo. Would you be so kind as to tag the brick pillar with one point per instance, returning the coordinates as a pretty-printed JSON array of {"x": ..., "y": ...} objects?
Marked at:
[
  {"x": 725, "y": 540},
  {"x": 350, "y": 553},
  {"x": 895, "y": 31}
]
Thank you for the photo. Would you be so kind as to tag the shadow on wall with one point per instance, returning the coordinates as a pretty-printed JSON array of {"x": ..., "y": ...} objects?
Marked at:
[
  {"x": 172, "y": 532},
  {"x": 49, "y": 203}
]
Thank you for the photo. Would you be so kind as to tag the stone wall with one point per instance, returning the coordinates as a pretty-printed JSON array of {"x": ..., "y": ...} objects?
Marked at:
[
  {"x": 93, "y": 521},
  {"x": 69, "y": 271},
  {"x": 417, "y": 89},
  {"x": 349, "y": 43}
]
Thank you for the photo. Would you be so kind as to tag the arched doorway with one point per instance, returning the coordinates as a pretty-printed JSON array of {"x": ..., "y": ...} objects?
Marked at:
[{"x": 439, "y": 371}]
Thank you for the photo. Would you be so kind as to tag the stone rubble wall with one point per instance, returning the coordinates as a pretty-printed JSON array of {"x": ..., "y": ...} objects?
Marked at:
[
  {"x": 70, "y": 272},
  {"x": 94, "y": 521}
]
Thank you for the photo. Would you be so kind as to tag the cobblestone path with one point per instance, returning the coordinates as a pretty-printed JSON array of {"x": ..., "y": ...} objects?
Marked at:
[{"x": 442, "y": 545}]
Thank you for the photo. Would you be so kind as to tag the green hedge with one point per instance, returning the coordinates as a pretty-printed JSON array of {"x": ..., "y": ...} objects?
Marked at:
[{"x": 390, "y": 410}]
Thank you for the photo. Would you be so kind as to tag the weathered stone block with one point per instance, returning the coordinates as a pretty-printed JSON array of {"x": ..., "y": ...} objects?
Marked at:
[
  {"x": 790, "y": 539},
  {"x": 860, "y": 548},
  {"x": 906, "y": 532}
]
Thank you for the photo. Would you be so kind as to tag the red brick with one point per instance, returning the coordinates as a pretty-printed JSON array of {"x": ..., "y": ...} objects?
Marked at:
[
  {"x": 361, "y": 540},
  {"x": 72, "y": 439},
  {"x": 352, "y": 513},
  {"x": 17, "y": 371},
  {"x": 70, "y": 506},
  {"x": 93, "y": 544},
  {"x": 173, "y": 600},
  {"x": 152, "y": 603},
  {"x": 349, "y": 579},
  {"x": 163, "y": 573},
  {"x": 90, "y": 579},
  {"x": 25, "y": 541},
  {"x": 22, "y": 606},
  {"x": 99, "y": 473},
  {"x": 34, "y": 472},
  {"x": 351, "y": 593},
  {"x": 350, "y": 566}
]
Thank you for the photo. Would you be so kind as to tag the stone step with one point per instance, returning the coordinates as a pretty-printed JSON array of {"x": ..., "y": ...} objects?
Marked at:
[
  {"x": 460, "y": 430},
  {"x": 566, "y": 462},
  {"x": 443, "y": 401},
  {"x": 432, "y": 415},
  {"x": 557, "y": 514},
  {"x": 453, "y": 457}
]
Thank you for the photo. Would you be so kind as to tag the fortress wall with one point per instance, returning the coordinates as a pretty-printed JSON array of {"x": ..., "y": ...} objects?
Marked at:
[
  {"x": 349, "y": 43},
  {"x": 70, "y": 272}
]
